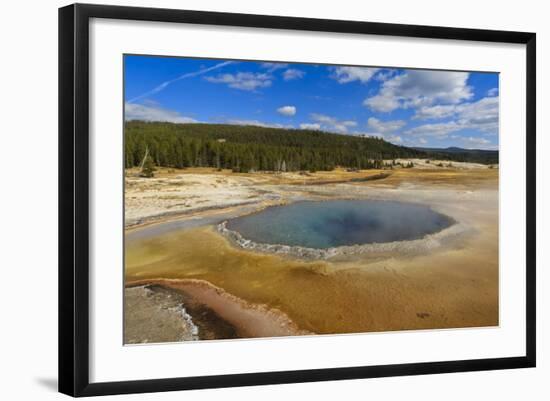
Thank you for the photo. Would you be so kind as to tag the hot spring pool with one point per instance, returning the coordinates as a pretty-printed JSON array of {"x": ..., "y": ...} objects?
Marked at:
[{"x": 328, "y": 224}]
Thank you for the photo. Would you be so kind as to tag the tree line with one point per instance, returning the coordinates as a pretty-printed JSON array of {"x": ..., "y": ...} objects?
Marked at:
[
  {"x": 253, "y": 148},
  {"x": 463, "y": 155}
]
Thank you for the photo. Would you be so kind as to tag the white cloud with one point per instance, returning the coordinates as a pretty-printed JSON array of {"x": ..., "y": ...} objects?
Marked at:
[
  {"x": 492, "y": 92},
  {"x": 287, "y": 111},
  {"x": 476, "y": 140},
  {"x": 417, "y": 88},
  {"x": 434, "y": 112},
  {"x": 481, "y": 116},
  {"x": 248, "y": 81},
  {"x": 437, "y": 130},
  {"x": 332, "y": 124},
  {"x": 134, "y": 111},
  {"x": 274, "y": 66},
  {"x": 257, "y": 123},
  {"x": 395, "y": 139},
  {"x": 163, "y": 85},
  {"x": 381, "y": 103},
  {"x": 292, "y": 73},
  {"x": 349, "y": 74},
  {"x": 383, "y": 127},
  {"x": 384, "y": 75},
  {"x": 312, "y": 126},
  {"x": 477, "y": 143}
]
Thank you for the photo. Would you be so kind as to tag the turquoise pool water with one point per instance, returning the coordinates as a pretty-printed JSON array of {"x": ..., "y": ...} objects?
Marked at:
[{"x": 329, "y": 224}]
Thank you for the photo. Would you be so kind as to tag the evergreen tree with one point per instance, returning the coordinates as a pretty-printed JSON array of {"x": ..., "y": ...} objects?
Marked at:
[{"x": 246, "y": 148}]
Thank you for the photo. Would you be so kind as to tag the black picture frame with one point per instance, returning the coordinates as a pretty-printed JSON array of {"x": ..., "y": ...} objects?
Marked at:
[{"x": 74, "y": 198}]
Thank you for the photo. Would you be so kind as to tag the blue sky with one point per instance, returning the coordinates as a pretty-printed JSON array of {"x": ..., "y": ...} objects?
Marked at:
[{"x": 406, "y": 107}]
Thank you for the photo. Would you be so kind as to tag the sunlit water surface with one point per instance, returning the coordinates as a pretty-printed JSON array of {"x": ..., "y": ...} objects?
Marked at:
[{"x": 329, "y": 224}]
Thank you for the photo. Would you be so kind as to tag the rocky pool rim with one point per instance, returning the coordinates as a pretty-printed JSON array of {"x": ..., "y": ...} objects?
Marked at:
[{"x": 425, "y": 243}]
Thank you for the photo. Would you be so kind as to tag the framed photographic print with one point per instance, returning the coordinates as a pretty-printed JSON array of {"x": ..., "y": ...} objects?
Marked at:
[{"x": 249, "y": 199}]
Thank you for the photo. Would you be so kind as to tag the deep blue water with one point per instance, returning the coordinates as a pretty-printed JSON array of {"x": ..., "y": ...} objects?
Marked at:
[{"x": 329, "y": 224}]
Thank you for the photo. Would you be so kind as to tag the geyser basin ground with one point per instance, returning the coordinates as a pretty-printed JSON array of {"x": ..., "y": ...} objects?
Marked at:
[
  {"x": 453, "y": 278},
  {"x": 328, "y": 224}
]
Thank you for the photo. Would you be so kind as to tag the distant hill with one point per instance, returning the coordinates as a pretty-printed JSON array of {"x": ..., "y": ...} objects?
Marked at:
[
  {"x": 459, "y": 154},
  {"x": 244, "y": 148}
]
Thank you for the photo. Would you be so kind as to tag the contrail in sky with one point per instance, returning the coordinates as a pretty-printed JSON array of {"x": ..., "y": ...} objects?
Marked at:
[{"x": 163, "y": 85}]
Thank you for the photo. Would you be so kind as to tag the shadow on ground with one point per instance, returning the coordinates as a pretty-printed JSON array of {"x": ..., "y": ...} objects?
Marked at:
[{"x": 49, "y": 383}]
